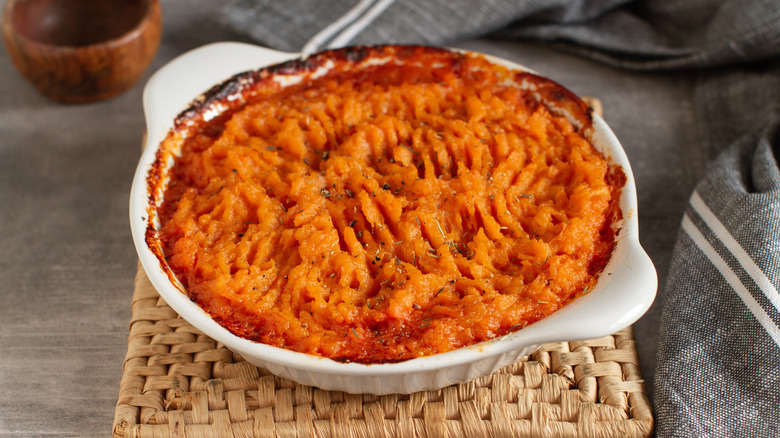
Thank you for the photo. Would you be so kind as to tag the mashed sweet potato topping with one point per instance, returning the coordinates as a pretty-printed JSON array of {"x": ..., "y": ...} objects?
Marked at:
[{"x": 390, "y": 211}]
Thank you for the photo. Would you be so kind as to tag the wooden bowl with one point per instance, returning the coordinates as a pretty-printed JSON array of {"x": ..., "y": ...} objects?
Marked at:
[{"x": 82, "y": 50}]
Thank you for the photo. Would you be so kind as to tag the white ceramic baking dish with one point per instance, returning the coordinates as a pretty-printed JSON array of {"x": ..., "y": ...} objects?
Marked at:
[{"x": 625, "y": 290}]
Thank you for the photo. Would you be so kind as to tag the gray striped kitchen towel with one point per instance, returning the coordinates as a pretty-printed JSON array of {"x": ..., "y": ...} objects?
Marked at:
[{"x": 718, "y": 364}]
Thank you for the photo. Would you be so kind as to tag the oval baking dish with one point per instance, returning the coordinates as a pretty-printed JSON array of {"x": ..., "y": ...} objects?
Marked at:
[{"x": 173, "y": 103}]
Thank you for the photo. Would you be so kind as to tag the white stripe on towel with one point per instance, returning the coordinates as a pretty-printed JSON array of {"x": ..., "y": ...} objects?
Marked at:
[
  {"x": 758, "y": 276},
  {"x": 734, "y": 281},
  {"x": 355, "y": 28},
  {"x": 325, "y": 34}
]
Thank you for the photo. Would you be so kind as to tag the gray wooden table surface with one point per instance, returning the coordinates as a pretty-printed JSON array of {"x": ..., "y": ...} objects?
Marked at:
[{"x": 67, "y": 260}]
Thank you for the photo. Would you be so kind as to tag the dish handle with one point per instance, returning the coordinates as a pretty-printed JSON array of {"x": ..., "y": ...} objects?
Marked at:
[{"x": 617, "y": 302}]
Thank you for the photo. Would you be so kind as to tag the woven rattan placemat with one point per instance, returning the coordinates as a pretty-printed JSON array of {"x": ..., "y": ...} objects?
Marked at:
[{"x": 178, "y": 382}]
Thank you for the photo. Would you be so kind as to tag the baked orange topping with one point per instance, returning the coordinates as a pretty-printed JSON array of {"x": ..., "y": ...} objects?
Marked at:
[{"x": 390, "y": 212}]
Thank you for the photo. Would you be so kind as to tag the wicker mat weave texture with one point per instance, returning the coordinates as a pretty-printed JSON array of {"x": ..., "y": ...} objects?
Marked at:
[{"x": 177, "y": 382}]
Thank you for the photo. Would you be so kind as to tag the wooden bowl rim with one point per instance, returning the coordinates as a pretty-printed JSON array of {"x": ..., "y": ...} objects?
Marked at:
[{"x": 152, "y": 14}]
